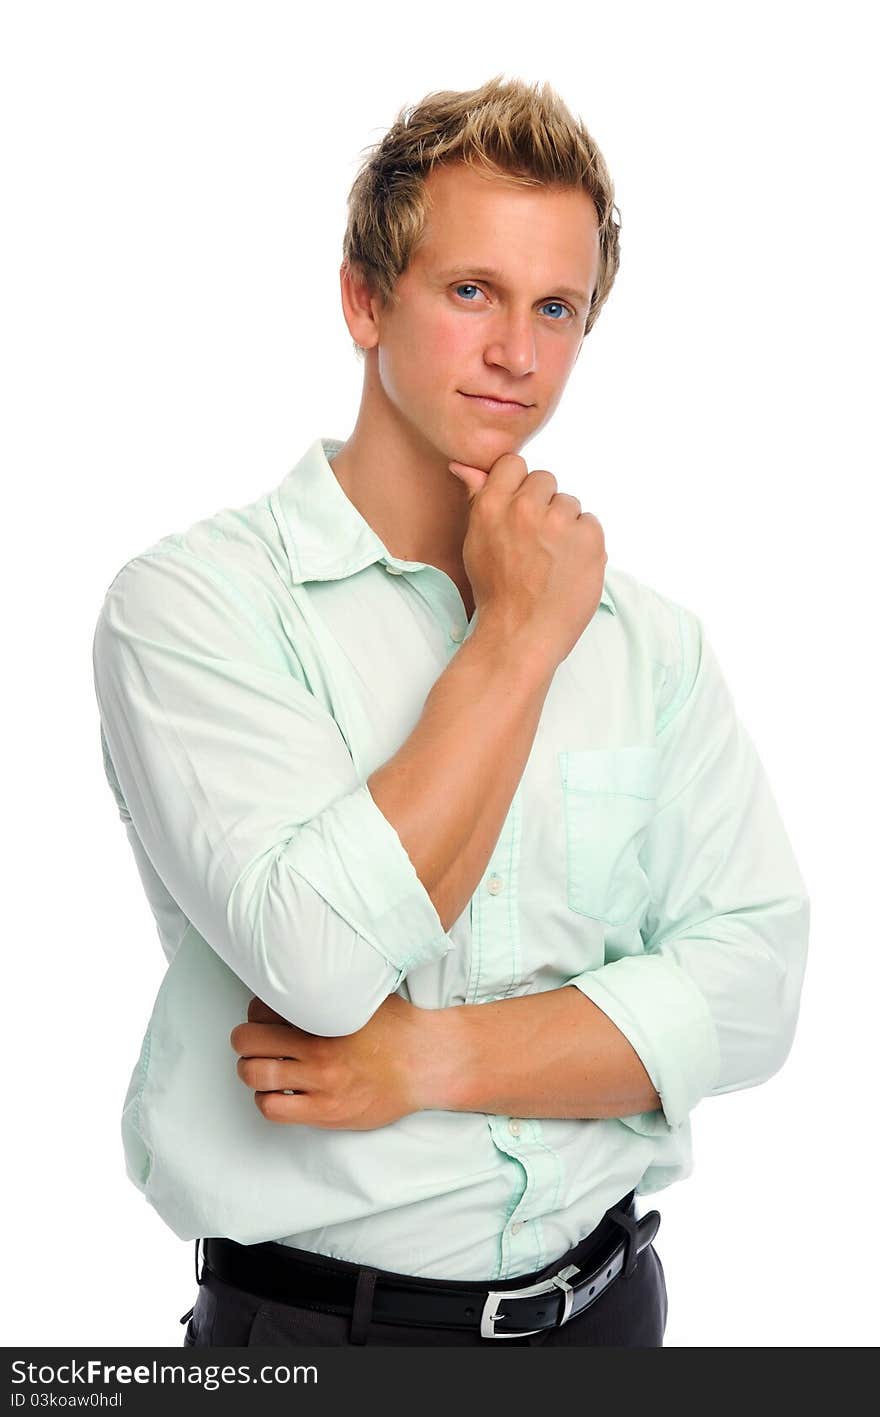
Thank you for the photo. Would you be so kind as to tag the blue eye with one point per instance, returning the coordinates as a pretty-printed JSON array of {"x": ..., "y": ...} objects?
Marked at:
[{"x": 468, "y": 285}]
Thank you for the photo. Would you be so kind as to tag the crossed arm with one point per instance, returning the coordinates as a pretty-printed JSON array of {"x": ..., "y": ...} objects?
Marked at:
[
  {"x": 710, "y": 1005},
  {"x": 554, "y": 1054}
]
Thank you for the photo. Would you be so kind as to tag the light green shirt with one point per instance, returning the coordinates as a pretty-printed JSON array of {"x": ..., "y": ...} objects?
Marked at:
[{"x": 251, "y": 673}]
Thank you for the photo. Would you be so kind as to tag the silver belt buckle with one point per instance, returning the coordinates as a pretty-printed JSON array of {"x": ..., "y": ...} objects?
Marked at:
[{"x": 496, "y": 1297}]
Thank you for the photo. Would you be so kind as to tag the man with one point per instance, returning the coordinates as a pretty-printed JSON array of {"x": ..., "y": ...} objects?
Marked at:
[{"x": 450, "y": 829}]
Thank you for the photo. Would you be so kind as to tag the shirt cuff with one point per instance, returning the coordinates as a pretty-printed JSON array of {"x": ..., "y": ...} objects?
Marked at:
[
  {"x": 353, "y": 857},
  {"x": 662, "y": 1013}
]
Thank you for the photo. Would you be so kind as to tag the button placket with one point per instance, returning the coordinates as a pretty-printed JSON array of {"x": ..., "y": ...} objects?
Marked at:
[
  {"x": 443, "y": 598},
  {"x": 522, "y": 1246}
]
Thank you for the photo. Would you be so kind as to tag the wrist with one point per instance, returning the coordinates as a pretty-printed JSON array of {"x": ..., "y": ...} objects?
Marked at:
[
  {"x": 516, "y": 653},
  {"x": 441, "y": 1068}
]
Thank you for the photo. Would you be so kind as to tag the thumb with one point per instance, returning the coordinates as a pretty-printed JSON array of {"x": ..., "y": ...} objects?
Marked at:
[{"x": 473, "y": 478}]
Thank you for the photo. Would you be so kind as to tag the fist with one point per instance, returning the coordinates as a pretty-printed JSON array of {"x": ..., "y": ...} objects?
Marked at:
[{"x": 535, "y": 560}]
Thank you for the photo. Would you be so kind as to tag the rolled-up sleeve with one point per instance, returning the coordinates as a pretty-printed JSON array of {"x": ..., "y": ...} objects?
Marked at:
[
  {"x": 246, "y": 800},
  {"x": 711, "y": 1003}
]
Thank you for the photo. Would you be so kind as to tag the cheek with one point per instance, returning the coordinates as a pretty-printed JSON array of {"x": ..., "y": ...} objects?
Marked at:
[
  {"x": 420, "y": 354},
  {"x": 556, "y": 360},
  {"x": 448, "y": 342},
  {"x": 425, "y": 366}
]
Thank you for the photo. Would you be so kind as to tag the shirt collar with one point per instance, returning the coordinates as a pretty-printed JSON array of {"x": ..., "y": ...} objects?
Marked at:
[{"x": 326, "y": 537}]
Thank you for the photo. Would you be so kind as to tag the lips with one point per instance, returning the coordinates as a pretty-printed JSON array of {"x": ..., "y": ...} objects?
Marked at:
[{"x": 496, "y": 398}]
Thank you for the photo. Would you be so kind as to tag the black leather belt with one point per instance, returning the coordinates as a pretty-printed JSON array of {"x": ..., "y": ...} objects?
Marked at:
[{"x": 509, "y": 1308}]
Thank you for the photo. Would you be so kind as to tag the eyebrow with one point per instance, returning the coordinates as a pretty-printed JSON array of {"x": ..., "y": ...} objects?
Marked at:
[{"x": 491, "y": 274}]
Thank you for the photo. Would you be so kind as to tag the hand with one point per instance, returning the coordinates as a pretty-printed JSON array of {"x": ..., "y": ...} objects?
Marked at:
[
  {"x": 357, "y": 1082},
  {"x": 535, "y": 561}
]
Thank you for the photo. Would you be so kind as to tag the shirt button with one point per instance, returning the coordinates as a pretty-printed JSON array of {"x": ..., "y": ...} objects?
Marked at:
[
  {"x": 457, "y": 633},
  {"x": 514, "y": 1126},
  {"x": 516, "y": 1227},
  {"x": 495, "y": 885},
  {"x": 394, "y": 570}
]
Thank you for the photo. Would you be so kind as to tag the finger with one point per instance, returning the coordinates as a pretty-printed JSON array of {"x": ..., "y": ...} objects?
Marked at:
[
  {"x": 260, "y": 1012},
  {"x": 507, "y": 473},
  {"x": 540, "y": 486},
  {"x": 272, "y": 1074},
  {"x": 473, "y": 478},
  {"x": 279, "y": 1107},
  {"x": 267, "y": 1040},
  {"x": 563, "y": 501}
]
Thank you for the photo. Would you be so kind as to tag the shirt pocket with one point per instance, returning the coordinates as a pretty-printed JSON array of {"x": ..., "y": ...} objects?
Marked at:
[{"x": 609, "y": 798}]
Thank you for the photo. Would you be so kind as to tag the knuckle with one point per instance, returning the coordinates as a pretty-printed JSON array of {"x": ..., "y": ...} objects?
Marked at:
[
  {"x": 487, "y": 503},
  {"x": 541, "y": 475},
  {"x": 564, "y": 502},
  {"x": 335, "y": 1110},
  {"x": 522, "y": 509}
]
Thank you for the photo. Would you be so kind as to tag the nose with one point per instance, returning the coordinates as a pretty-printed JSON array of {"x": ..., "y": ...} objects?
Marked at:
[{"x": 513, "y": 344}]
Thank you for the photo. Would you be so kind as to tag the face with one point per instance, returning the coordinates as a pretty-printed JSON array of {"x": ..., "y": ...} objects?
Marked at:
[{"x": 459, "y": 331}]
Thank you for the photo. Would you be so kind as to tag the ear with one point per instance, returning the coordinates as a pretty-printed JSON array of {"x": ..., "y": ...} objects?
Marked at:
[{"x": 360, "y": 306}]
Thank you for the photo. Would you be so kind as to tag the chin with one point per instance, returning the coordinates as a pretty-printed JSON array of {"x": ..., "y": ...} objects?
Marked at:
[{"x": 491, "y": 449}]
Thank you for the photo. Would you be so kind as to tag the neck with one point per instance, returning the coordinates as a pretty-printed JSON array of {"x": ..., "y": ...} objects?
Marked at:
[{"x": 402, "y": 487}]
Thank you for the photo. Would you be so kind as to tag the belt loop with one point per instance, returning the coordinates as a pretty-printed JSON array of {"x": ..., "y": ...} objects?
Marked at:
[
  {"x": 362, "y": 1310},
  {"x": 631, "y": 1226}
]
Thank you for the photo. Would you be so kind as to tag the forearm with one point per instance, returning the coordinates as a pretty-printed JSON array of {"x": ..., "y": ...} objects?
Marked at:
[
  {"x": 554, "y": 1054},
  {"x": 448, "y": 788}
]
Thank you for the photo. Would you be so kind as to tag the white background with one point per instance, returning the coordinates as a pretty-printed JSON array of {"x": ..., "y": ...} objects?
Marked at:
[{"x": 174, "y": 177}]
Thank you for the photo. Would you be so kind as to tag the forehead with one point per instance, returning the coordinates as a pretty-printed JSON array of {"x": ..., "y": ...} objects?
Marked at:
[{"x": 484, "y": 219}]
